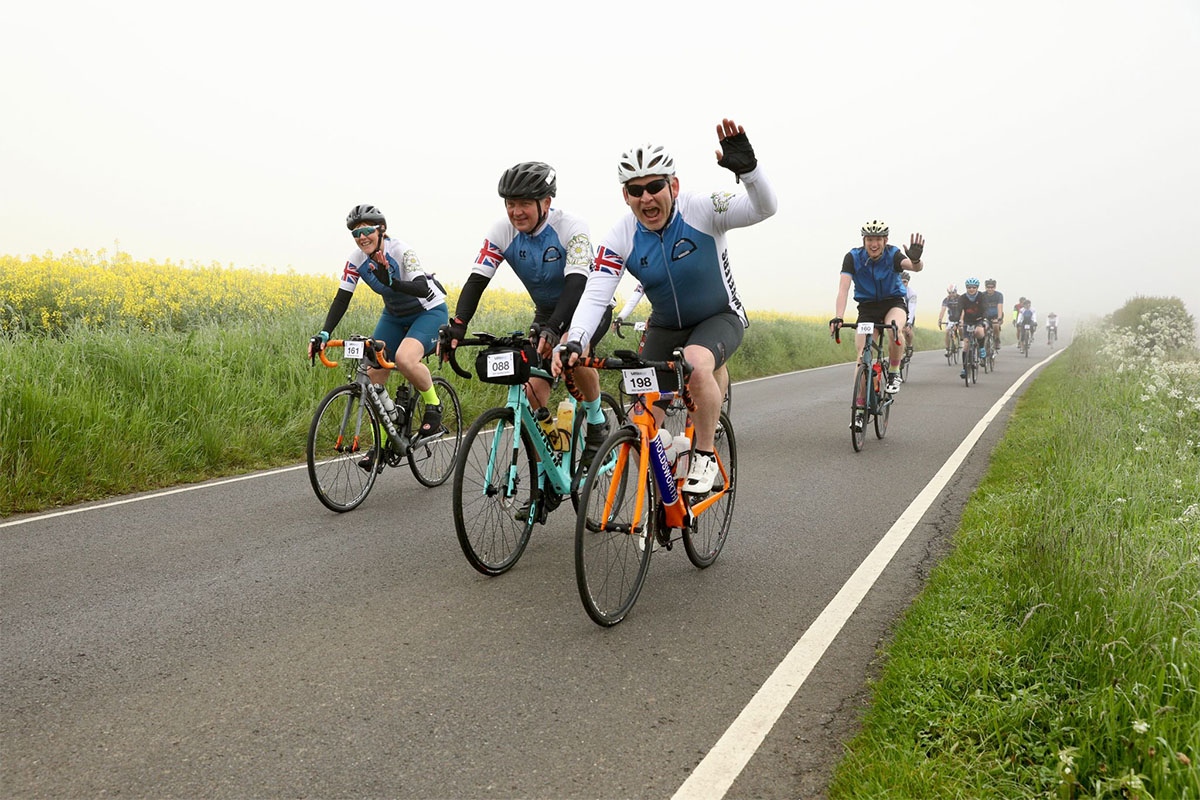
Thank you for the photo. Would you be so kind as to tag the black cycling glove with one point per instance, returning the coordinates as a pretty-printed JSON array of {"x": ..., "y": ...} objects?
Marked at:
[
  {"x": 737, "y": 155},
  {"x": 914, "y": 251},
  {"x": 456, "y": 329}
]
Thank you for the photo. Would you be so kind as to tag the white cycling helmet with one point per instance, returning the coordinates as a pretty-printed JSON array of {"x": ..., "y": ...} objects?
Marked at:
[
  {"x": 875, "y": 227},
  {"x": 643, "y": 160},
  {"x": 952, "y": 289}
]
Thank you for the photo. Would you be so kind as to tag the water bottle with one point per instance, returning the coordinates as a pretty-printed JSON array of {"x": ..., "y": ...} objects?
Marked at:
[
  {"x": 546, "y": 423},
  {"x": 389, "y": 407},
  {"x": 401, "y": 398},
  {"x": 668, "y": 444},
  {"x": 566, "y": 418},
  {"x": 683, "y": 447}
]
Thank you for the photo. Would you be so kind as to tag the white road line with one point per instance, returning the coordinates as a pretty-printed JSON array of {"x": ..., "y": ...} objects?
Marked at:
[
  {"x": 717, "y": 771},
  {"x": 180, "y": 490}
]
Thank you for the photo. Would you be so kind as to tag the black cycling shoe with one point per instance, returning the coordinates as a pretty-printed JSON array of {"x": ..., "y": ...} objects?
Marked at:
[
  {"x": 431, "y": 421},
  {"x": 595, "y": 436},
  {"x": 367, "y": 462},
  {"x": 548, "y": 501}
]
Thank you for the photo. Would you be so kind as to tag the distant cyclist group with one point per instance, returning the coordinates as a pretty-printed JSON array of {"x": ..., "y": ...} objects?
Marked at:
[{"x": 674, "y": 243}]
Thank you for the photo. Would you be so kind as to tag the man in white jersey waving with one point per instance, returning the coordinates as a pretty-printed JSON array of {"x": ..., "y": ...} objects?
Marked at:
[{"x": 674, "y": 244}]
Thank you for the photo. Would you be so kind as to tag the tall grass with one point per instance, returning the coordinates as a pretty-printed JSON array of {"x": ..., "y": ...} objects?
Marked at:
[
  {"x": 1056, "y": 652},
  {"x": 118, "y": 376}
]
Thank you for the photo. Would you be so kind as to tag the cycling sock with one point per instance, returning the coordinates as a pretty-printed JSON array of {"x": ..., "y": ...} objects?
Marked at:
[
  {"x": 594, "y": 415},
  {"x": 430, "y": 396},
  {"x": 893, "y": 365}
]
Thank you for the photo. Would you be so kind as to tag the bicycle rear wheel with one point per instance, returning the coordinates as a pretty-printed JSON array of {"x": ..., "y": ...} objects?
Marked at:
[
  {"x": 612, "y": 552},
  {"x": 344, "y": 431},
  {"x": 727, "y": 404},
  {"x": 492, "y": 484},
  {"x": 704, "y": 540},
  {"x": 432, "y": 461},
  {"x": 858, "y": 408}
]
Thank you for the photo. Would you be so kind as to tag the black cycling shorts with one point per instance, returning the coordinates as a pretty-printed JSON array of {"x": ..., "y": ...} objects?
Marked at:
[
  {"x": 876, "y": 310},
  {"x": 721, "y": 333}
]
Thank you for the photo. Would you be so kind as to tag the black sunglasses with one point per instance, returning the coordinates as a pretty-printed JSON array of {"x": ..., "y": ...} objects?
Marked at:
[{"x": 653, "y": 187}]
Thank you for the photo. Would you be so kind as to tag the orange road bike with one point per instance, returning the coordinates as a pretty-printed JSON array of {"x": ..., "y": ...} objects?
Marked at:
[{"x": 632, "y": 506}]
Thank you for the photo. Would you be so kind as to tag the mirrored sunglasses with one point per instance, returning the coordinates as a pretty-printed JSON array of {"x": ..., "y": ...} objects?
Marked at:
[{"x": 358, "y": 233}]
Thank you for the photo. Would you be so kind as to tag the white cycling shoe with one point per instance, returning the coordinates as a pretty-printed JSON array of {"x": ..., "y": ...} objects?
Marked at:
[{"x": 702, "y": 474}]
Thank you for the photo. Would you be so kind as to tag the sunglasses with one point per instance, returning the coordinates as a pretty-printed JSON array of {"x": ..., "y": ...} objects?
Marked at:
[
  {"x": 653, "y": 187},
  {"x": 358, "y": 233}
]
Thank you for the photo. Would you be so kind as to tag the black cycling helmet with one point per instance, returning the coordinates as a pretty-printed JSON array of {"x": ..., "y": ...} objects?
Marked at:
[
  {"x": 904, "y": 276},
  {"x": 529, "y": 180},
  {"x": 989, "y": 282},
  {"x": 364, "y": 214}
]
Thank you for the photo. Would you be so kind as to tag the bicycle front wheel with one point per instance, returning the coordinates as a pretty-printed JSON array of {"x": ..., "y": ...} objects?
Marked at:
[
  {"x": 704, "y": 540},
  {"x": 432, "y": 460},
  {"x": 612, "y": 545},
  {"x": 493, "y": 486},
  {"x": 343, "y": 448},
  {"x": 727, "y": 405},
  {"x": 858, "y": 408},
  {"x": 881, "y": 416},
  {"x": 614, "y": 415}
]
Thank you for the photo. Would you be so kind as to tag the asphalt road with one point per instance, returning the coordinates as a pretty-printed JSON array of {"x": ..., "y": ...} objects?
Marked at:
[{"x": 240, "y": 640}]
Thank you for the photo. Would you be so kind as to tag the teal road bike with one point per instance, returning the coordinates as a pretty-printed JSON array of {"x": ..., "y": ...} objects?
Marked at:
[{"x": 511, "y": 471}]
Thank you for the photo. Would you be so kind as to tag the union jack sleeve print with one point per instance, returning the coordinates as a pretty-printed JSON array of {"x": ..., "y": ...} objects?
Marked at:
[
  {"x": 489, "y": 255},
  {"x": 608, "y": 262}
]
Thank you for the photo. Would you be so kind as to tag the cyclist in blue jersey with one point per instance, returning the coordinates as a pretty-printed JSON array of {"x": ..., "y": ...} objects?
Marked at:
[
  {"x": 551, "y": 254},
  {"x": 674, "y": 244},
  {"x": 414, "y": 307},
  {"x": 974, "y": 314},
  {"x": 994, "y": 308},
  {"x": 951, "y": 311},
  {"x": 875, "y": 270}
]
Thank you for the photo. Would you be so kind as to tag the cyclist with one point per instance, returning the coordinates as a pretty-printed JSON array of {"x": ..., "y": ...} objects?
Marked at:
[
  {"x": 414, "y": 308},
  {"x": 1027, "y": 316},
  {"x": 951, "y": 311},
  {"x": 911, "y": 300},
  {"x": 974, "y": 313},
  {"x": 1017, "y": 310},
  {"x": 631, "y": 303},
  {"x": 994, "y": 308},
  {"x": 674, "y": 243},
  {"x": 875, "y": 268},
  {"x": 551, "y": 252},
  {"x": 1051, "y": 327}
]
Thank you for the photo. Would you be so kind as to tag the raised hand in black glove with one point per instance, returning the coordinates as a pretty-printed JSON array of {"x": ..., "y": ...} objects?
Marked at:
[
  {"x": 915, "y": 248},
  {"x": 738, "y": 156}
]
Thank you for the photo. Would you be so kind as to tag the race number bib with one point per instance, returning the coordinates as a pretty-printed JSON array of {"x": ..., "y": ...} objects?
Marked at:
[
  {"x": 1027, "y": 326},
  {"x": 640, "y": 381},
  {"x": 639, "y": 326},
  {"x": 353, "y": 349},
  {"x": 500, "y": 364},
  {"x": 866, "y": 328}
]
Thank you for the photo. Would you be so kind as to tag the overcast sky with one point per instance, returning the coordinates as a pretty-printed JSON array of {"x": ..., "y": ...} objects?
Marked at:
[{"x": 1052, "y": 145}]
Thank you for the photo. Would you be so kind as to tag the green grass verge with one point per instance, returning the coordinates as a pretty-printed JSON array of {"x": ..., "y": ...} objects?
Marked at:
[
  {"x": 91, "y": 413},
  {"x": 1056, "y": 651}
]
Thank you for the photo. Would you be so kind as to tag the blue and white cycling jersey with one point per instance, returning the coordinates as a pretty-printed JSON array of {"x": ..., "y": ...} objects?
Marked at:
[
  {"x": 403, "y": 265},
  {"x": 683, "y": 268},
  {"x": 540, "y": 259},
  {"x": 878, "y": 279}
]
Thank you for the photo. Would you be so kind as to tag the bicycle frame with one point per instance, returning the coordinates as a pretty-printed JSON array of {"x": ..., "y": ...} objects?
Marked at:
[
  {"x": 360, "y": 376},
  {"x": 555, "y": 463},
  {"x": 677, "y": 511}
]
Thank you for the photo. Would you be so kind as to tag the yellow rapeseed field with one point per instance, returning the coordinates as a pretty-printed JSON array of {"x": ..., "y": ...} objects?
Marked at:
[{"x": 49, "y": 294}]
